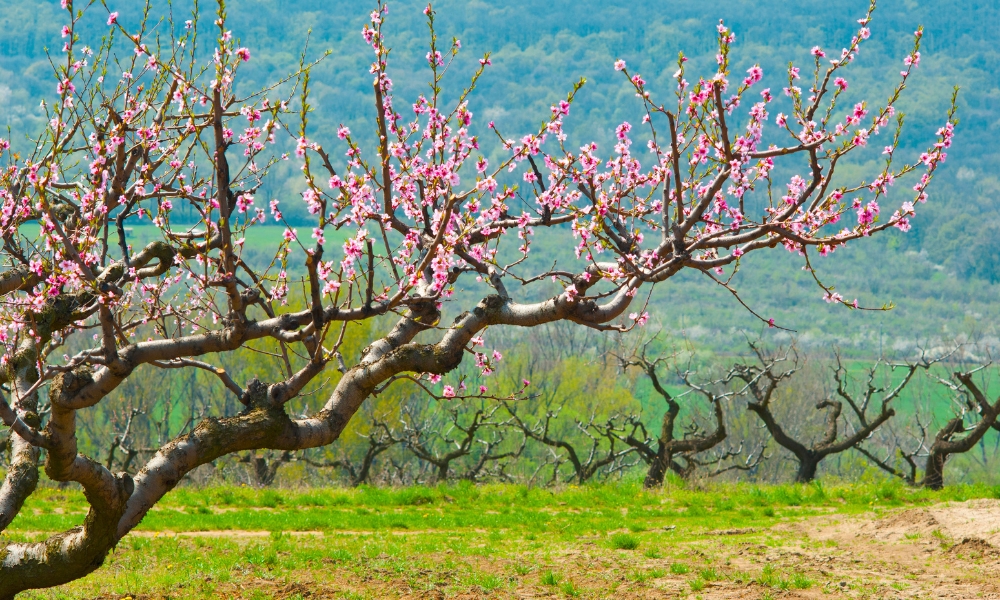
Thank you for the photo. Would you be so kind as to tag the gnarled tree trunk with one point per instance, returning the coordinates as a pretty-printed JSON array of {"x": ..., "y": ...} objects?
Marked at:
[{"x": 763, "y": 380}]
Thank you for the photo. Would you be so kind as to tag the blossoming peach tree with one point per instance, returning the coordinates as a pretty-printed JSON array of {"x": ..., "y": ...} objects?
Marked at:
[{"x": 142, "y": 125}]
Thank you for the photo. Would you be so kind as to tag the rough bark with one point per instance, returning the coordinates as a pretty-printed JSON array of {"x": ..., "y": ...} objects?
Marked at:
[
  {"x": 806, "y": 471},
  {"x": 22, "y": 475},
  {"x": 939, "y": 453},
  {"x": 72, "y": 554}
]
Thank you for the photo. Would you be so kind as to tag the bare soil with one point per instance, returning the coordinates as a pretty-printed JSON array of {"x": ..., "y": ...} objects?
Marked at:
[{"x": 950, "y": 551}]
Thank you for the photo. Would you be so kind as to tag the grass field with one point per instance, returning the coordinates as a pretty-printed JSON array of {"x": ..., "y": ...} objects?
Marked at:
[{"x": 500, "y": 541}]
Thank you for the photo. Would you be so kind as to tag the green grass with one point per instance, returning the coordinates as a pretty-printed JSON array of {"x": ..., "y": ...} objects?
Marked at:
[
  {"x": 624, "y": 541},
  {"x": 503, "y": 509},
  {"x": 569, "y": 589},
  {"x": 801, "y": 582},
  {"x": 679, "y": 568},
  {"x": 459, "y": 539}
]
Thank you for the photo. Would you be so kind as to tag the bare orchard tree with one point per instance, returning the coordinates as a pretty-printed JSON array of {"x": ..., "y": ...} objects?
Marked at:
[
  {"x": 592, "y": 448},
  {"x": 974, "y": 417},
  {"x": 675, "y": 446},
  {"x": 379, "y": 439},
  {"x": 764, "y": 378},
  {"x": 263, "y": 466},
  {"x": 458, "y": 442},
  {"x": 423, "y": 224}
]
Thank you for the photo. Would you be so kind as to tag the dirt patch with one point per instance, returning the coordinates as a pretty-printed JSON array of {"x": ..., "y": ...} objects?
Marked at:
[
  {"x": 743, "y": 531},
  {"x": 903, "y": 524},
  {"x": 974, "y": 547},
  {"x": 975, "y": 518},
  {"x": 232, "y": 533},
  {"x": 903, "y": 554},
  {"x": 979, "y": 519}
]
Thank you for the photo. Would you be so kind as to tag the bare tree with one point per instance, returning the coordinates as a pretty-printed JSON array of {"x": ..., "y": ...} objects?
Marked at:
[
  {"x": 448, "y": 436},
  {"x": 380, "y": 438},
  {"x": 123, "y": 441},
  {"x": 763, "y": 379},
  {"x": 973, "y": 407},
  {"x": 418, "y": 223},
  {"x": 264, "y": 466},
  {"x": 662, "y": 452},
  {"x": 595, "y": 449}
]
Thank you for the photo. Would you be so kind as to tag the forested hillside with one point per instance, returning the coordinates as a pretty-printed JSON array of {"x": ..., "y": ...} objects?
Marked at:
[{"x": 942, "y": 275}]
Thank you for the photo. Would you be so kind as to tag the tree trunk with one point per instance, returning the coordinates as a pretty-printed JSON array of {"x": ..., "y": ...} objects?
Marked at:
[
  {"x": 934, "y": 472},
  {"x": 68, "y": 555},
  {"x": 22, "y": 474},
  {"x": 807, "y": 468},
  {"x": 442, "y": 474},
  {"x": 657, "y": 471}
]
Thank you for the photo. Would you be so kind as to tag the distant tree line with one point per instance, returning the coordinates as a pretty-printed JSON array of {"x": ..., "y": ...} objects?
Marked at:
[{"x": 772, "y": 415}]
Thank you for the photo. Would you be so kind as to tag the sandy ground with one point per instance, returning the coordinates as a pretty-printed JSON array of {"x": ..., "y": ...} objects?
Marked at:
[{"x": 951, "y": 551}]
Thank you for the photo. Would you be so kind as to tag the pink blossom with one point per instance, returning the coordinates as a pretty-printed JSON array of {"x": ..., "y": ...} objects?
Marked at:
[
  {"x": 113, "y": 18},
  {"x": 623, "y": 130},
  {"x": 331, "y": 287},
  {"x": 640, "y": 320},
  {"x": 867, "y": 215},
  {"x": 317, "y": 235}
]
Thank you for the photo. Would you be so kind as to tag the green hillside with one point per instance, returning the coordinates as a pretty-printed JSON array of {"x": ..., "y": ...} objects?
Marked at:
[{"x": 942, "y": 275}]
